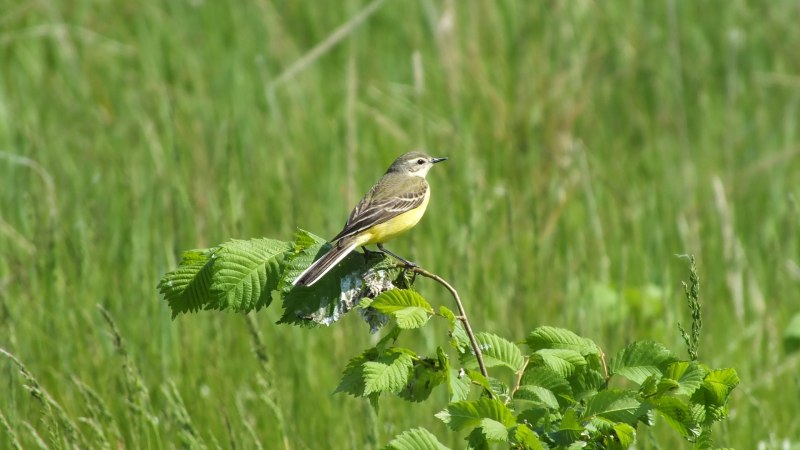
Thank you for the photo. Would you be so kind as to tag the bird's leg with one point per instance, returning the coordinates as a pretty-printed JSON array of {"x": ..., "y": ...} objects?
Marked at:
[
  {"x": 397, "y": 257},
  {"x": 368, "y": 253}
]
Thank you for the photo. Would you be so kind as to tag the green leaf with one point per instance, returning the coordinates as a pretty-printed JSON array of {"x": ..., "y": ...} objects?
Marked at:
[
  {"x": 499, "y": 389},
  {"x": 389, "y": 373},
  {"x": 667, "y": 385},
  {"x": 458, "y": 335},
  {"x": 560, "y": 338},
  {"x": 677, "y": 414},
  {"x": 458, "y": 386},
  {"x": 245, "y": 273},
  {"x": 469, "y": 414},
  {"x": 569, "y": 430},
  {"x": 499, "y": 352},
  {"x": 476, "y": 440},
  {"x": 626, "y": 435},
  {"x": 585, "y": 383},
  {"x": 649, "y": 387},
  {"x": 338, "y": 292},
  {"x": 562, "y": 361},
  {"x": 481, "y": 381},
  {"x": 710, "y": 400},
  {"x": 352, "y": 381},
  {"x": 407, "y": 307},
  {"x": 458, "y": 382},
  {"x": 522, "y": 437},
  {"x": 721, "y": 382},
  {"x": 546, "y": 386},
  {"x": 616, "y": 405},
  {"x": 187, "y": 288},
  {"x": 688, "y": 375},
  {"x": 538, "y": 418},
  {"x": 640, "y": 360},
  {"x": 416, "y": 439},
  {"x": 494, "y": 431},
  {"x": 426, "y": 375},
  {"x": 537, "y": 394}
]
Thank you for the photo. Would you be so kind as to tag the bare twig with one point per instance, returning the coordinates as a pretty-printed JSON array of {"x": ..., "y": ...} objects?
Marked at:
[
  {"x": 462, "y": 315},
  {"x": 605, "y": 366},
  {"x": 519, "y": 379}
]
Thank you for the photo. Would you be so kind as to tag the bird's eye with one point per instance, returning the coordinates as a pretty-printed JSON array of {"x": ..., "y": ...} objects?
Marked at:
[{"x": 420, "y": 161}]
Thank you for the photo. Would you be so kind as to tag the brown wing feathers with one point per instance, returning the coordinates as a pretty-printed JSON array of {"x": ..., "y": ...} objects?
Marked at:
[{"x": 379, "y": 205}]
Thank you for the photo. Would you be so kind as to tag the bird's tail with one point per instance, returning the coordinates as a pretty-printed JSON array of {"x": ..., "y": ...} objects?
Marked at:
[{"x": 320, "y": 267}]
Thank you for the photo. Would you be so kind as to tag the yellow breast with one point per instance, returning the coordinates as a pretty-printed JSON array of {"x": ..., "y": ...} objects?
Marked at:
[{"x": 397, "y": 225}]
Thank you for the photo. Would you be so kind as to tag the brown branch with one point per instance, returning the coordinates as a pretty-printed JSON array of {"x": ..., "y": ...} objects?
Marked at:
[{"x": 462, "y": 315}]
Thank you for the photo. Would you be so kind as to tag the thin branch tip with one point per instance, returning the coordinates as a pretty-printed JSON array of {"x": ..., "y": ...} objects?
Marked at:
[{"x": 462, "y": 315}]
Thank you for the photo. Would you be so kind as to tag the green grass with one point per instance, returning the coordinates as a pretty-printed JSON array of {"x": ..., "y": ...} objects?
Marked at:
[{"x": 589, "y": 143}]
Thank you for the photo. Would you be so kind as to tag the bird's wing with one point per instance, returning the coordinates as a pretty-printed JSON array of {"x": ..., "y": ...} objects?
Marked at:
[{"x": 382, "y": 203}]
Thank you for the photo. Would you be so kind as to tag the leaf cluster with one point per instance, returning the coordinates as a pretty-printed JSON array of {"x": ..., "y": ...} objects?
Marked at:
[
  {"x": 553, "y": 390},
  {"x": 563, "y": 395},
  {"x": 247, "y": 275}
]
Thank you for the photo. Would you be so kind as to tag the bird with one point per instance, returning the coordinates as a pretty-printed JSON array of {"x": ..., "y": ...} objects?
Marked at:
[{"x": 394, "y": 205}]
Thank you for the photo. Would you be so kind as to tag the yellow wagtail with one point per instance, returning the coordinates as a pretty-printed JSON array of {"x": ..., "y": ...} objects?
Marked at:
[{"x": 393, "y": 206}]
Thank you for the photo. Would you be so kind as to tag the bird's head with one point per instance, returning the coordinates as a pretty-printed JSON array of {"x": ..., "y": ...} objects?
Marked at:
[{"x": 414, "y": 163}]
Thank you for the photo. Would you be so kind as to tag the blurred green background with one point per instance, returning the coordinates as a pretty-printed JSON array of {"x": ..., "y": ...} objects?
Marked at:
[{"x": 589, "y": 142}]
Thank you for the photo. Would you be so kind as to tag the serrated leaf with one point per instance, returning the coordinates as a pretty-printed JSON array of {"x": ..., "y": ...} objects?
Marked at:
[
  {"x": 245, "y": 273},
  {"x": 480, "y": 380},
  {"x": 469, "y": 414},
  {"x": 616, "y": 405},
  {"x": 569, "y": 430},
  {"x": 494, "y": 431},
  {"x": 721, "y": 382},
  {"x": 537, "y": 417},
  {"x": 352, "y": 381},
  {"x": 649, "y": 386},
  {"x": 187, "y": 288},
  {"x": 498, "y": 351},
  {"x": 640, "y": 360},
  {"x": 585, "y": 383},
  {"x": 546, "y": 386},
  {"x": 562, "y": 361},
  {"x": 407, "y": 307},
  {"x": 416, "y": 439},
  {"x": 560, "y": 338},
  {"x": 458, "y": 386},
  {"x": 458, "y": 383},
  {"x": 304, "y": 239},
  {"x": 458, "y": 335},
  {"x": 667, "y": 385},
  {"x": 524, "y": 438},
  {"x": 626, "y": 435},
  {"x": 389, "y": 373},
  {"x": 477, "y": 441},
  {"x": 426, "y": 375},
  {"x": 395, "y": 300},
  {"x": 688, "y": 375},
  {"x": 537, "y": 394},
  {"x": 712, "y": 396},
  {"x": 677, "y": 414},
  {"x": 499, "y": 389}
]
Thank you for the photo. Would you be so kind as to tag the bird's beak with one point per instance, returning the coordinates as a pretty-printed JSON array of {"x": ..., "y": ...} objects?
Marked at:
[{"x": 437, "y": 160}]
